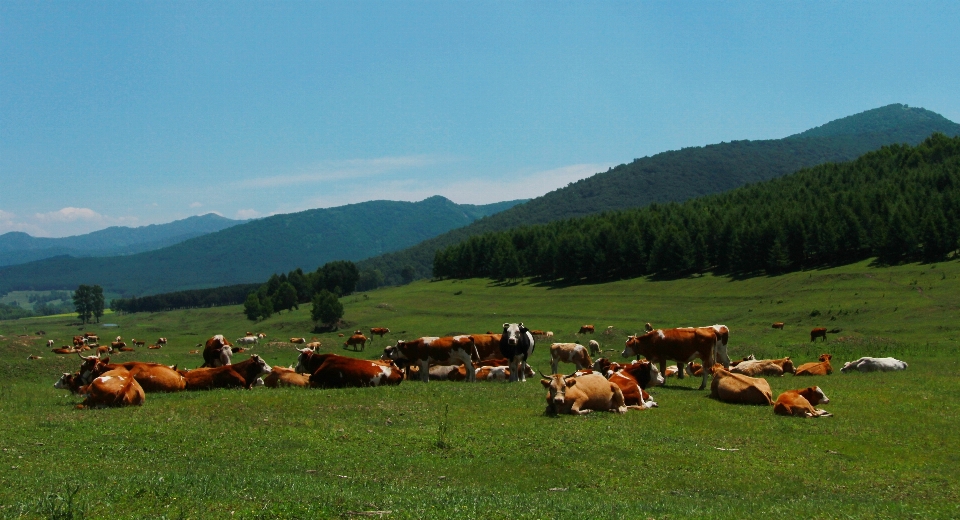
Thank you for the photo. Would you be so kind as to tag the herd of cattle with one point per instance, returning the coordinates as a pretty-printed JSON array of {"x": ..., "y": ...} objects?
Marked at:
[{"x": 598, "y": 384}]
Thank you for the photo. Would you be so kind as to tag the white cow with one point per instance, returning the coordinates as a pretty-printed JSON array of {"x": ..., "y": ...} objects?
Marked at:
[
  {"x": 248, "y": 340},
  {"x": 50, "y": 343},
  {"x": 872, "y": 364}
]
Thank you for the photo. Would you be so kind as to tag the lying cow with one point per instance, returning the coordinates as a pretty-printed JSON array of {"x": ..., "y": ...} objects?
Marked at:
[
  {"x": 582, "y": 395},
  {"x": 492, "y": 373},
  {"x": 68, "y": 381},
  {"x": 872, "y": 364},
  {"x": 449, "y": 373},
  {"x": 244, "y": 374},
  {"x": 821, "y": 368},
  {"x": 633, "y": 380},
  {"x": 113, "y": 388},
  {"x": 301, "y": 341},
  {"x": 801, "y": 403},
  {"x": 248, "y": 340},
  {"x": 341, "y": 371},
  {"x": 764, "y": 367},
  {"x": 573, "y": 353},
  {"x": 152, "y": 377},
  {"x": 738, "y": 388},
  {"x": 280, "y": 376}
]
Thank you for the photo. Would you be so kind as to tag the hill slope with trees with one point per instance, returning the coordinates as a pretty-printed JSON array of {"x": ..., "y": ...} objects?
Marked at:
[
  {"x": 900, "y": 203},
  {"x": 688, "y": 173},
  {"x": 252, "y": 252}
]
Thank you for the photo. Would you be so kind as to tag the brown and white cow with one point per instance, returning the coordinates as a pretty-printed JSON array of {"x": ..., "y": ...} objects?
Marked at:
[
  {"x": 764, "y": 367},
  {"x": 573, "y": 353},
  {"x": 633, "y": 380},
  {"x": 161, "y": 341},
  {"x": 801, "y": 403},
  {"x": 112, "y": 388},
  {"x": 680, "y": 345},
  {"x": 493, "y": 373},
  {"x": 357, "y": 338},
  {"x": 821, "y": 368},
  {"x": 449, "y": 372},
  {"x": 440, "y": 351},
  {"x": 378, "y": 331},
  {"x": 68, "y": 381},
  {"x": 819, "y": 332},
  {"x": 314, "y": 345},
  {"x": 738, "y": 388},
  {"x": 138, "y": 342},
  {"x": 778, "y": 325},
  {"x": 487, "y": 345},
  {"x": 216, "y": 352},
  {"x": 281, "y": 376},
  {"x": 240, "y": 375},
  {"x": 50, "y": 343},
  {"x": 298, "y": 341},
  {"x": 152, "y": 377},
  {"x": 582, "y": 395},
  {"x": 335, "y": 371},
  {"x": 586, "y": 329}
]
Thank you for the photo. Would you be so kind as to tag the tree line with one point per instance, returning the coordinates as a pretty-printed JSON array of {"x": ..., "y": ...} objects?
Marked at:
[
  {"x": 322, "y": 288},
  {"x": 196, "y": 298},
  {"x": 900, "y": 203}
]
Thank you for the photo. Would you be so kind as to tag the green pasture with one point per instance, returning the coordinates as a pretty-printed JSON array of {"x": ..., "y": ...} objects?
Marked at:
[{"x": 459, "y": 450}]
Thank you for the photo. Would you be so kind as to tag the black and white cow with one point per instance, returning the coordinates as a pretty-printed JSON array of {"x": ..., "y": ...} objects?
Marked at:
[{"x": 516, "y": 344}]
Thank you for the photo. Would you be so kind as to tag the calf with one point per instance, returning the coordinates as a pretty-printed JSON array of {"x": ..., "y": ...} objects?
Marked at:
[
  {"x": 356, "y": 339},
  {"x": 582, "y": 395},
  {"x": 820, "y": 368},
  {"x": 738, "y": 388},
  {"x": 280, "y": 376},
  {"x": 765, "y": 367},
  {"x": 872, "y": 364},
  {"x": 241, "y": 375},
  {"x": 801, "y": 403},
  {"x": 569, "y": 353},
  {"x": 113, "y": 388},
  {"x": 818, "y": 332},
  {"x": 440, "y": 351}
]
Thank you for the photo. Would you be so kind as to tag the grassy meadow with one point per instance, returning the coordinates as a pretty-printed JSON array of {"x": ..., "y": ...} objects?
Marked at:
[{"x": 486, "y": 450}]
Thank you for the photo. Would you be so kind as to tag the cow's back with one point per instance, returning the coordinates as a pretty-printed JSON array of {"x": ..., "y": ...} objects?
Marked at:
[{"x": 738, "y": 388}]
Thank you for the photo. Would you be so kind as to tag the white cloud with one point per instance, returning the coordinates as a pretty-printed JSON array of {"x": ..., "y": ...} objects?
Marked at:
[
  {"x": 196, "y": 205},
  {"x": 245, "y": 214},
  {"x": 69, "y": 214},
  {"x": 346, "y": 169}
]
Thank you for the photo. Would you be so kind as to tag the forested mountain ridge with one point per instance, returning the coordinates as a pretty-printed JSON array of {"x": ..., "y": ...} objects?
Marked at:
[
  {"x": 900, "y": 203},
  {"x": 252, "y": 252},
  {"x": 18, "y": 248},
  {"x": 688, "y": 173}
]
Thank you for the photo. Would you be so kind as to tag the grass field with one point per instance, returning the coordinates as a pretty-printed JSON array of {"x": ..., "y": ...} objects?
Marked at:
[{"x": 443, "y": 450}]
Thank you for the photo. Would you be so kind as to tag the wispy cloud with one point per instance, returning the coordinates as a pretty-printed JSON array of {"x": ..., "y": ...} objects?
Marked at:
[
  {"x": 196, "y": 205},
  {"x": 244, "y": 214},
  {"x": 69, "y": 214},
  {"x": 345, "y": 169}
]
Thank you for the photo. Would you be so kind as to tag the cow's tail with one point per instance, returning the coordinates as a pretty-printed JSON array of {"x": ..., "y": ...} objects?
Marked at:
[{"x": 475, "y": 353}]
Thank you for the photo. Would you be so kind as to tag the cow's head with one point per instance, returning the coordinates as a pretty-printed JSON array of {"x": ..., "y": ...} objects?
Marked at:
[
  {"x": 788, "y": 366},
  {"x": 226, "y": 352},
  {"x": 394, "y": 352},
  {"x": 512, "y": 333},
  {"x": 66, "y": 381},
  {"x": 262, "y": 365},
  {"x": 631, "y": 347},
  {"x": 650, "y": 375},
  {"x": 602, "y": 365},
  {"x": 825, "y": 357},
  {"x": 557, "y": 385},
  {"x": 303, "y": 360},
  {"x": 814, "y": 395},
  {"x": 89, "y": 367}
]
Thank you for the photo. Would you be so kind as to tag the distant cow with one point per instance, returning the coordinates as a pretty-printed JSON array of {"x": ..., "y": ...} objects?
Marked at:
[
  {"x": 356, "y": 339},
  {"x": 161, "y": 341},
  {"x": 50, "y": 343},
  {"x": 778, "y": 325},
  {"x": 801, "y": 403},
  {"x": 821, "y": 368},
  {"x": 594, "y": 347},
  {"x": 314, "y": 345},
  {"x": 298, "y": 341},
  {"x": 248, "y": 340},
  {"x": 680, "y": 345},
  {"x": 241, "y": 375},
  {"x": 765, "y": 367},
  {"x": 647, "y": 327},
  {"x": 819, "y": 332},
  {"x": 582, "y": 395},
  {"x": 138, "y": 342},
  {"x": 216, "y": 352},
  {"x": 517, "y": 344},
  {"x": 573, "y": 353},
  {"x": 738, "y": 388},
  {"x": 432, "y": 350},
  {"x": 872, "y": 364},
  {"x": 585, "y": 329},
  {"x": 379, "y": 331}
]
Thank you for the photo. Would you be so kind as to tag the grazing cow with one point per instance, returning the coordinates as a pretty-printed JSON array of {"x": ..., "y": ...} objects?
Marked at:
[
  {"x": 586, "y": 329},
  {"x": 152, "y": 377},
  {"x": 41, "y": 332},
  {"x": 117, "y": 345},
  {"x": 594, "y": 347},
  {"x": 138, "y": 342},
  {"x": 819, "y": 332},
  {"x": 356, "y": 339},
  {"x": 244, "y": 374},
  {"x": 248, "y": 340},
  {"x": 335, "y": 371},
  {"x": 487, "y": 345},
  {"x": 821, "y": 368},
  {"x": 314, "y": 345},
  {"x": 161, "y": 341},
  {"x": 680, "y": 345},
  {"x": 582, "y": 395},
  {"x": 216, "y": 352},
  {"x": 70, "y": 382},
  {"x": 778, "y": 325},
  {"x": 574, "y": 353},
  {"x": 872, "y": 364},
  {"x": 738, "y": 388},
  {"x": 113, "y": 388},
  {"x": 633, "y": 380},
  {"x": 50, "y": 343},
  {"x": 517, "y": 344},
  {"x": 441, "y": 351},
  {"x": 280, "y": 376},
  {"x": 801, "y": 403},
  {"x": 764, "y": 367},
  {"x": 299, "y": 341},
  {"x": 378, "y": 331},
  {"x": 104, "y": 350}
]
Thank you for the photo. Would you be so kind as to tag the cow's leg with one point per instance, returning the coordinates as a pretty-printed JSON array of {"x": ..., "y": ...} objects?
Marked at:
[
  {"x": 515, "y": 367},
  {"x": 522, "y": 370},
  {"x": 681, "y": 368},
  {"x": 424, "y": 371},
  {"x": 575, "y": 408}
]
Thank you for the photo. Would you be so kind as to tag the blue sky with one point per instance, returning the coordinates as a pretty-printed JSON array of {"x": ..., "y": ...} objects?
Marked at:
[{"x": 132, "y": 113}]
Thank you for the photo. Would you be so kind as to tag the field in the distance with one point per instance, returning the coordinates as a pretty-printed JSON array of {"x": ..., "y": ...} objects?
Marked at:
[{"x": 891, "y": 451}]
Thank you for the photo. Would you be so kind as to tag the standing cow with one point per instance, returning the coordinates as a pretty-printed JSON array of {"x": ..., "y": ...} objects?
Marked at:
[
  {"x": 680, "y": 345},
  {"x": 516, "y": 344}
]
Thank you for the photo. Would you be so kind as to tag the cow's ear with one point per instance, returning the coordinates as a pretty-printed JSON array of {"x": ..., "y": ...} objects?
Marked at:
[
  {"x": 570, "y": 381},
  {"x": 506, "y": 326},
  {"x": 545, "y": 383}
]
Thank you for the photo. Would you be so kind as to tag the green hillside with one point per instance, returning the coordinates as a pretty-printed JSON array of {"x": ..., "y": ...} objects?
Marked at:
[
  {"x": 19, "y": 248},
  {"x": 886, "y": 453},
  {"x": 251, "y": 252},
  {"x": 689, "y": 173},
  {"x": 900, "y": 203}
]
